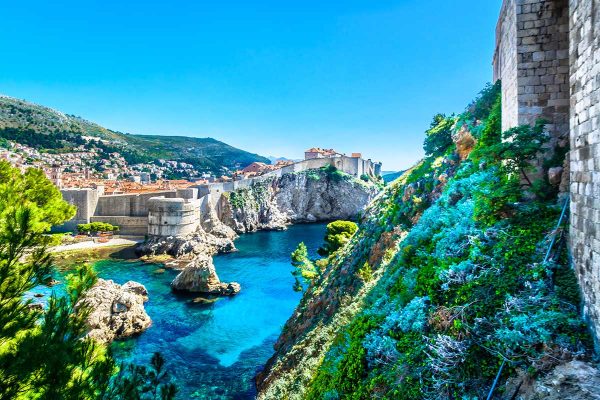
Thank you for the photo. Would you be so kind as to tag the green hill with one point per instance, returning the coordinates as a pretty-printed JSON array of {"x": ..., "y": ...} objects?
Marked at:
[{"x": 49, "y": 130}]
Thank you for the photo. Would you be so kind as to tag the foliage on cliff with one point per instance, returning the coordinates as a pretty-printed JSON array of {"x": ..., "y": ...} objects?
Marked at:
[
  {"x": 337, "y": 235},
  {"x": 466, "y": 288}
]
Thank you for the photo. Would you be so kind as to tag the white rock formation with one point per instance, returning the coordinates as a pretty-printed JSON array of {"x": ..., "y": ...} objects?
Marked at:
[
  {"x": 116, "y": 311},
  {"x": 199, "y": 276},
  {"x": 309, "y": 196}
]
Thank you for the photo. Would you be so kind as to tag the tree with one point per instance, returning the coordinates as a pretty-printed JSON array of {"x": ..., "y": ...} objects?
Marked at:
[
  {"x": 337, "y": 235},
  {"x": 439, "y": 135},
  {"x": 304, "y": 267},
  {"x": 136, "y": 382},
  {"x": 520, "y": 146},
  {"x": 44, "y": 354}
]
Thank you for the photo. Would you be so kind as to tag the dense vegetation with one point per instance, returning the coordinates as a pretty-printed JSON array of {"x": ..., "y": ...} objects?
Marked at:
[
  {"x": 468, "y": 288},
  {"x": 47, "y": 130},
  {"x": 95, "y": 227},
  {"x": 44, "y": 352}
]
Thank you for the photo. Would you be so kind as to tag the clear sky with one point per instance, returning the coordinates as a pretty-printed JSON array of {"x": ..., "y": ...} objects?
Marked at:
[{"x": 273, "y": 77}]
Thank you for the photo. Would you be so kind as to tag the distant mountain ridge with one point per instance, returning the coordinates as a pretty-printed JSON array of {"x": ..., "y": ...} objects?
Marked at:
[
  {"x": 274, "y": 160},
  {"x": 25, "y": 123}
]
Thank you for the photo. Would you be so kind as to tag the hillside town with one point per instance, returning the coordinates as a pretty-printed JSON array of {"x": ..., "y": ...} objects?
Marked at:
[{"x": 85, "y": 168}]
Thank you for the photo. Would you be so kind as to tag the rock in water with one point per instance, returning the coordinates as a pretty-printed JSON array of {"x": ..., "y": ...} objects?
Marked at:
[
  {"x": 116, "y": 311},
  {"x": 199, "y": 276}
]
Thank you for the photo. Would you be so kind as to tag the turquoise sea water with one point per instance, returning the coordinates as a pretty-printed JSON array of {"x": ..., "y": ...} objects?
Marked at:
[{"x": 213, "y": 351}]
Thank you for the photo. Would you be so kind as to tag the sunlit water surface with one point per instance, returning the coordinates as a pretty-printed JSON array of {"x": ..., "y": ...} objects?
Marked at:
[{"x": 213, "y": 351}]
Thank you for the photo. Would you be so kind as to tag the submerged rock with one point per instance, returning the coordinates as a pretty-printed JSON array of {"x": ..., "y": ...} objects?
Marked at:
[
  {"x": 116, "y": 311},
  {"x": 200, "y": 276}
]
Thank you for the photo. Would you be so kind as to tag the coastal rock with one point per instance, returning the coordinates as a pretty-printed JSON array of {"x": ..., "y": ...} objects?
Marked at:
[
  {"x": 199, "y": 276},
  {"x": 465, "y": 142},
  {"x": 116, "y": 311},
  {"x": 309, "y": 196},
  {"x": 575, "y": 380},
  {"x": 199, "y": 242}
]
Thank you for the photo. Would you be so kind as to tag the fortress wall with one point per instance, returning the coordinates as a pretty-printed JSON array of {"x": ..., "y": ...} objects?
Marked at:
[
  {"x": 585, "y": 152},
  {"x": 188, "y": 193},
  {"x": 243, "y": 184},
  {"x": 505, "y": 63},
  {"x": 203, "y": 190},
  {"x": 85, "y": 200},
  {"x": 532, "y": 60},
  {"x": 553, "y": 46},
  {"x": 128, "y": 226},
  {"x": 133, "y": 205},
  {"x": 129, "y": 211},
  {"x": 173, "y": 217}
]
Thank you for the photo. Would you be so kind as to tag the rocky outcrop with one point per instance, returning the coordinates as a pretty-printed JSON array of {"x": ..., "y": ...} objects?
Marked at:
[
  {"x": 115, "y": 311},
  {"x": 575, "y": 380},
  {"x": 198, "y": 243},
  {"x": 309, "y": 196},
  {"x": 199, "y": 276}
]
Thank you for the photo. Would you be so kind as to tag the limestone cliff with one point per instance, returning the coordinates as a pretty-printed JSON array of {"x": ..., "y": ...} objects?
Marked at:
[{"x": 314, "y": 195}]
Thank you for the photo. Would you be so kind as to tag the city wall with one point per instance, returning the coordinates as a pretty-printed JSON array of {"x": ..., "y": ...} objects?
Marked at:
[
  {"x": 585, "y": 151},
  {"x": 548, "y": 58},
  {"x": 133, "y": 205},
  {"x": 532, "y": 60},
  {"x": 178, "y": 212},
  {"x": 85, "y": 200}
]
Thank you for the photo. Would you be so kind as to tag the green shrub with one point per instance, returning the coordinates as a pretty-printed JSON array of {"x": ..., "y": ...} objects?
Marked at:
[
  {"x": 338, "y": 234},
  {"x": 365, "y": 273},
  {"x": 95, "y": 227},
  {"x": 438, "y": 137}
]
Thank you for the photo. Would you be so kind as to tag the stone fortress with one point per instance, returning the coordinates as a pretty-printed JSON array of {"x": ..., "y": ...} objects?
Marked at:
[
  {"x": 548, "y": 58},
  {"x": 180, "y": 212}
]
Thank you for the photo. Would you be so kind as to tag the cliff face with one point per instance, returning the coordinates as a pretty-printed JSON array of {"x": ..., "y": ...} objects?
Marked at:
[
  {"x": 335, "y": 298},
  {"x": 309, "y": 196},
  {"x": 457, "y": 283}
]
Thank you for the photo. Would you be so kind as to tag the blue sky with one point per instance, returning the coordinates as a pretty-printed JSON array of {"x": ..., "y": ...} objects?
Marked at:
[{"x": 271, "y": 77}]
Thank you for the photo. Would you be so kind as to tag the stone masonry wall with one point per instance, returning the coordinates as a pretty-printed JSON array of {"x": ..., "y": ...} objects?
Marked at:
[
  {"x": 532, "y": 48},
  {"x": 505, "y": 63},
  {"x": 585, "y": 152}
]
